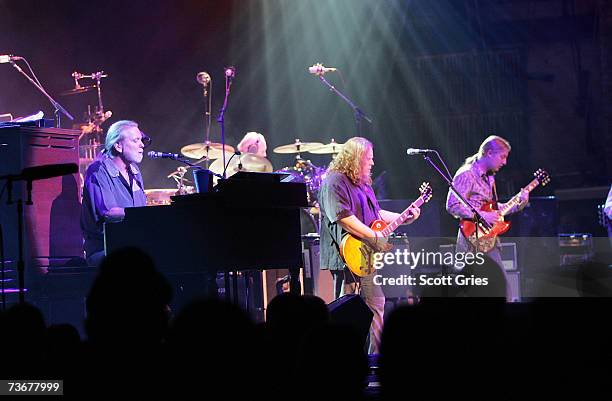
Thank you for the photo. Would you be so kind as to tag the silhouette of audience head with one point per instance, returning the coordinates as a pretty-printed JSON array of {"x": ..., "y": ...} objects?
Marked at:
[
  {"x": 23, "y": 338},
  {"x": 128, "y": 301}
]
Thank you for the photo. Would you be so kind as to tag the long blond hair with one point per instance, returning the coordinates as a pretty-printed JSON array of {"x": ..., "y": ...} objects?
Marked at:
[
  {"x": 494, "y": 143},
  {"x": 350, "y": 158}
]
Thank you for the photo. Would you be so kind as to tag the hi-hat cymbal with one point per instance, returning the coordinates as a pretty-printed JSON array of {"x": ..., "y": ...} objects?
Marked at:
[
  {"x": 76, "y": 91},
  {"x": 297, "y": 147},
  {"x": 211, "y": 150},
  {"x": 243, "y": 162},
  {"x": 332, "y": 147}
]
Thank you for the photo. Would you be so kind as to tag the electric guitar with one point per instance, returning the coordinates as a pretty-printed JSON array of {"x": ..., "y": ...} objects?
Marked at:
[
  {"x": 484, "y": 236},
  {"x": 359, "y": 256}
]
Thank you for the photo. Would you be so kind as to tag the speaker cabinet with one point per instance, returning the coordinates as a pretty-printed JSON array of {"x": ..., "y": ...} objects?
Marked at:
[
  {"x": 514, "y": 281},
  {"x": 352, "y": 311}
]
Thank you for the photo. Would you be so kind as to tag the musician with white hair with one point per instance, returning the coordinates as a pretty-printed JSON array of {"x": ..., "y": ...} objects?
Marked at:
[
  {"x": 112, "y": 183},
  {"x": 253, "y": 142}
]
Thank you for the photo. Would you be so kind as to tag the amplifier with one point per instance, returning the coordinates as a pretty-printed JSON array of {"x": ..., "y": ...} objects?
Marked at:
[
  {"x": 575, "y": 248},
  {"x": 508, "y": 254}
]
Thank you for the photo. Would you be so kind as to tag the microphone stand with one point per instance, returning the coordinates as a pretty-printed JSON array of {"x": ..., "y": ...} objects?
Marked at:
[
  {"x": 478, "y": 219},
  {"x": 190, "y": 164},
  {"x": 359, "y": 114},
  {"x": 58, "y": 107},
  {"x": 20, "y": 260},
  {"x": 221, "y": 118},
  {"x": 2, "y": 269}
]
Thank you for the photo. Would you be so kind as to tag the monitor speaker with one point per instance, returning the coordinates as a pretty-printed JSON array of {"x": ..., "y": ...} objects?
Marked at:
[{"x": 352, "y": 311}]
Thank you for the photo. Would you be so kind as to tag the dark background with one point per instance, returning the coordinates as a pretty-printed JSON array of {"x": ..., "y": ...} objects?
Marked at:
[{"x": 433, "y": 74}]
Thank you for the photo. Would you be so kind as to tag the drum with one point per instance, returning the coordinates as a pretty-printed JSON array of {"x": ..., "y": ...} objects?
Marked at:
[
  {"x": 158, "y": 197},
  {"x": 309, "y": 223},
  {"x": 311, "y": 175}
]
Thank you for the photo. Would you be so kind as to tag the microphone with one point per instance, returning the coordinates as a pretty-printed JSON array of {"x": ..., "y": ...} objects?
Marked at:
[
  {"x": 163, "y": 155},
  {"x": 230, "y": 72},
  {"x": 203, "y": 78},
  {"x": 412, "y": 151},
  {"x": 236, "y": 153},
  {"x": 318, "y": 69},
  {"x": 7, "y": 58}
]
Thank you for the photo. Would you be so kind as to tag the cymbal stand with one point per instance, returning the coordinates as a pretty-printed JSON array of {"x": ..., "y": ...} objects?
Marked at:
[
  {"x": 179, "y": 177},
  {"x": 99, "y": 114}
]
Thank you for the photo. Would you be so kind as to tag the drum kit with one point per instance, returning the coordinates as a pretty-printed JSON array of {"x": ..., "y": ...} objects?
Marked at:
[
  {"x": 308, "y": 173},
  {"x": 211, "y": 155},
  {"x": 92, "y": 134}
]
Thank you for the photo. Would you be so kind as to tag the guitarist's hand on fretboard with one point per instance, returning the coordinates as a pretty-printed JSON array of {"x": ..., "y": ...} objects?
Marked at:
[{"x": 415, "y": 212}]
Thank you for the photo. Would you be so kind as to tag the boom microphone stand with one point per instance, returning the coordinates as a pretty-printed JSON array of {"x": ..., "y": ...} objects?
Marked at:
[
  {"x": 478, "y": 219},
  {"x": 359, "y": 114},
  {"x": 58, "y": 107}
]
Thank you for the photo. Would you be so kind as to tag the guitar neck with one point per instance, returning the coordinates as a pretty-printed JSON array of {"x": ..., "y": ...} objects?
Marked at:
[
  {"x": 516, "y": 199},
  {"x": 402, "y": 217}
]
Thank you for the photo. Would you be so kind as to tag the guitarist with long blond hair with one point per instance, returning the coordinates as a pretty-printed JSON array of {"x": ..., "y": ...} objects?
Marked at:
[
  {"x": 475, "y": 181},
  {"x": 348, "y": 205}
]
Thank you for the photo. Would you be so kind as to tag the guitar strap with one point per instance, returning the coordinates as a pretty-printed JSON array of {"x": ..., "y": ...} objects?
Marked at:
[
  {"x": 494, "y": 191},
  {"x": 493, "y": 187},
  {"x": 370, "y": 202}
]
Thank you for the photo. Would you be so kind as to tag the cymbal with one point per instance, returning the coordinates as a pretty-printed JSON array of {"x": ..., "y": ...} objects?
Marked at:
[
  {"x": 332, "y": 147},
  {"x": 159, "y": 196},
  {"x": 76, "y": 91},
  {"x": 211, "y": 150},
  {"x": 297, "y": 147},
  {"x": 244, "y": 162}
]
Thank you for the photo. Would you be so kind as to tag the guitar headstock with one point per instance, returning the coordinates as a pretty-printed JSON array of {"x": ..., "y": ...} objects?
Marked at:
[
  {"x": 542, "y": 176},
  {"x": 426, "y": 192}
]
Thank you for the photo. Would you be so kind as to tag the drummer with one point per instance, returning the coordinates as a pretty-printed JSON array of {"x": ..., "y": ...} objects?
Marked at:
[
  {"x": 112, "y": 183},
  {"x": 253, "y": 142}
]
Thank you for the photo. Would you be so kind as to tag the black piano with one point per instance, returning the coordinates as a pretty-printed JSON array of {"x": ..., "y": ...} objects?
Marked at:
[{"x": 250, "y": 221}]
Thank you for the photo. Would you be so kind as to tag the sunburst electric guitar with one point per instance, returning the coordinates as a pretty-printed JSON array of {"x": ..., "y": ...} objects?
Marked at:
[
  {"x": 483, "y": 237},
  {"x": 359, "y": 256}
]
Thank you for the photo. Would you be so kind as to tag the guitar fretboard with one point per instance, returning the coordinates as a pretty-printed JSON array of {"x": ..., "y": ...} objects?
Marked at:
[
  {"x": 402, "y": 217},
  {"x": 516, "y": 199}
]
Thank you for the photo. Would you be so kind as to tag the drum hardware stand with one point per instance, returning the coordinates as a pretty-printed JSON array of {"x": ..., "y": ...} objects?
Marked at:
[
  {"x": 58, "y": 107},
  {"x": 99, "y": 115},
  {"x": 179, "y": 178}
]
